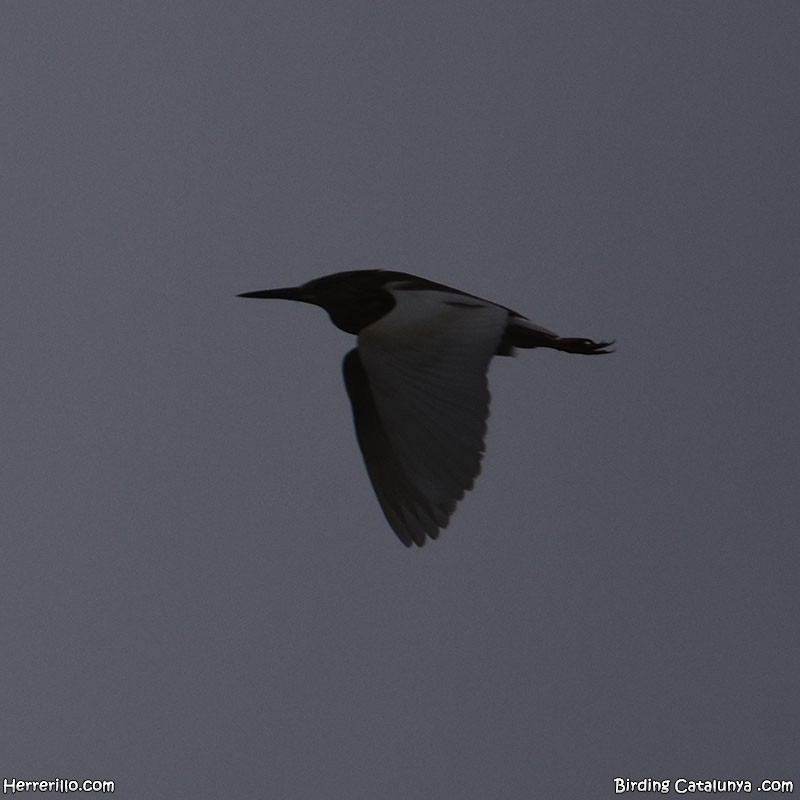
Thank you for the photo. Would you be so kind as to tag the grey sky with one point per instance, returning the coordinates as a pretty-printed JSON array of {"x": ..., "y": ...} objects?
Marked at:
[{"x": 201, "y": 596}]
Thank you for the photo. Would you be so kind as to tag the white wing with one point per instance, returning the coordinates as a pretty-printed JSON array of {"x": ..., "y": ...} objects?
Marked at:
[{"x": 422, "y": 402}]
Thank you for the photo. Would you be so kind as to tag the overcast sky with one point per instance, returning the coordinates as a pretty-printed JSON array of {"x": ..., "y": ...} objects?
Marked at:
[{"x": 201, "y": 597}]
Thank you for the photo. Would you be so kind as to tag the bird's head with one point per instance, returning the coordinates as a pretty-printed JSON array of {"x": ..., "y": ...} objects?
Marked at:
[{"x": 352, "y": 299}]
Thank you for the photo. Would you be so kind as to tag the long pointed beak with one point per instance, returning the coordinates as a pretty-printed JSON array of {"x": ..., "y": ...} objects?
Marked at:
[{"x": 291, "y": 293}]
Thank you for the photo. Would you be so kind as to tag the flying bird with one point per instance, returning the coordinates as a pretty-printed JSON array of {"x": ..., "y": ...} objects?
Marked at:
[{"x": 417, "y": 383}]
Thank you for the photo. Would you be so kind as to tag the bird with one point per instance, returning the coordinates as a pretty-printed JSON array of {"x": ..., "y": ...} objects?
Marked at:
[{"x": 417, "y": 383}]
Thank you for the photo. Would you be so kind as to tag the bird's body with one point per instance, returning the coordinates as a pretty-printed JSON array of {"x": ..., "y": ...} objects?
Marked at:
[{"x": 417, "y": 383}]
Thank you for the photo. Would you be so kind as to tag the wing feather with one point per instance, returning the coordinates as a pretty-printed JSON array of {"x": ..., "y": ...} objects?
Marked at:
[{"x": 417, "y": 383}]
